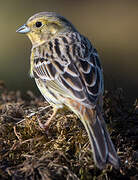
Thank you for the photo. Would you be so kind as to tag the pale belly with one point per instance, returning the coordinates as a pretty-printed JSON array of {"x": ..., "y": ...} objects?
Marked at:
[{"x": 52, "y": 98}]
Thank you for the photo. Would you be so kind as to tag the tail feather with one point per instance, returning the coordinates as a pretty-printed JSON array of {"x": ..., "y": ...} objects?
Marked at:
[{"x": 102, "y": 146}]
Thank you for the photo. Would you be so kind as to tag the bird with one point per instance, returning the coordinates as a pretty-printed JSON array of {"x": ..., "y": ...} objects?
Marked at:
[{"x": 68, "y": 72}]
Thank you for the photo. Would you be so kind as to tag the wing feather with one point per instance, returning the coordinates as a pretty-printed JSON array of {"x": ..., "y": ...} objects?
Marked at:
[{"x": 75, "y": 68}]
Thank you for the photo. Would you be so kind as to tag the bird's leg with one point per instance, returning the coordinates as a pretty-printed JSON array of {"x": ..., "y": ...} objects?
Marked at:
[
  {"x": 46, "y": 125},
  {"x": 51, "y": 117}
]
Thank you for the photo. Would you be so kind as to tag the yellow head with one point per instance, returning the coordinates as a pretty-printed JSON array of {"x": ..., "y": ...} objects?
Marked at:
[{"x": 45, "y": 25}]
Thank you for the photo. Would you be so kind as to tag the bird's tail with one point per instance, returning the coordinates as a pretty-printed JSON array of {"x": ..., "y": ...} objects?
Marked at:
[{"x": 102, "y": 146}]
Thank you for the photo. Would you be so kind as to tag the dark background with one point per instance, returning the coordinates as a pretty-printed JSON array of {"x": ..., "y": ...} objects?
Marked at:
[{"x": 112, "y": 26}]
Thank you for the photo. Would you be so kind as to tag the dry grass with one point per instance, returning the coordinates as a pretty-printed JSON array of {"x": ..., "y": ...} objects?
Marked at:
[{"x": 28, "y": 152}]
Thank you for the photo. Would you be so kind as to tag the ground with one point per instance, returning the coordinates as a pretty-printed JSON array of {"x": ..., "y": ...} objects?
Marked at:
[{"x": 63, "y": 152}]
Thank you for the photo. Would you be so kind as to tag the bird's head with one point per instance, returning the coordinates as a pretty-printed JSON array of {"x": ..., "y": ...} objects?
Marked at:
[{"x": 44, "y": 26}]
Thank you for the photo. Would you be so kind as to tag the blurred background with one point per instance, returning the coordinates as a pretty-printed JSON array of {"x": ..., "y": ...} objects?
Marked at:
[{"x": 112, "y": 26}]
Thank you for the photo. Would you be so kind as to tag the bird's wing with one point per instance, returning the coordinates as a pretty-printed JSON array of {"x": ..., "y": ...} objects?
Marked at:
[{"x": 71, "y": 66}]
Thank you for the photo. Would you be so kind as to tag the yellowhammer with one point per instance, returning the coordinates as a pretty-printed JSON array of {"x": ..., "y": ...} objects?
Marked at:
[{"x": 67, "y": 71}]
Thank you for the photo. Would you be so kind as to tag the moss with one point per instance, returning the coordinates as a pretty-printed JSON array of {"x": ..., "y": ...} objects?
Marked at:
[{"x": 63, "y": 152}]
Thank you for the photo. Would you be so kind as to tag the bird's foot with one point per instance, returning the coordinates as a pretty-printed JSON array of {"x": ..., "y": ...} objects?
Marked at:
[{"x": 33, "y": 114}]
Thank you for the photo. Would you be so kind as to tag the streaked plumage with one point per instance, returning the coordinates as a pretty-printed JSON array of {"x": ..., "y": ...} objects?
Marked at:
[{"x": 67, "y": 71}]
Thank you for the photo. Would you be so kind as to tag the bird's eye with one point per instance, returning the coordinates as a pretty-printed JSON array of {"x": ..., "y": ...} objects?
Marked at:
[{"x": 38, "y": 24}]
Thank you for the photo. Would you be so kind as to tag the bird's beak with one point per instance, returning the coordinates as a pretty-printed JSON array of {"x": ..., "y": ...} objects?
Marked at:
[{"x": 23, "y": 29}]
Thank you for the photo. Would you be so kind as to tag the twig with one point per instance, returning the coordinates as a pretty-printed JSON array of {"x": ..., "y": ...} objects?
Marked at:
[{"x": 16, "y": 134}]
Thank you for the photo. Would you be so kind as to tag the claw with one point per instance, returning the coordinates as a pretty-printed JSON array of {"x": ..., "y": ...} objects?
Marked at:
[{"x": 33, "y": 114}]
